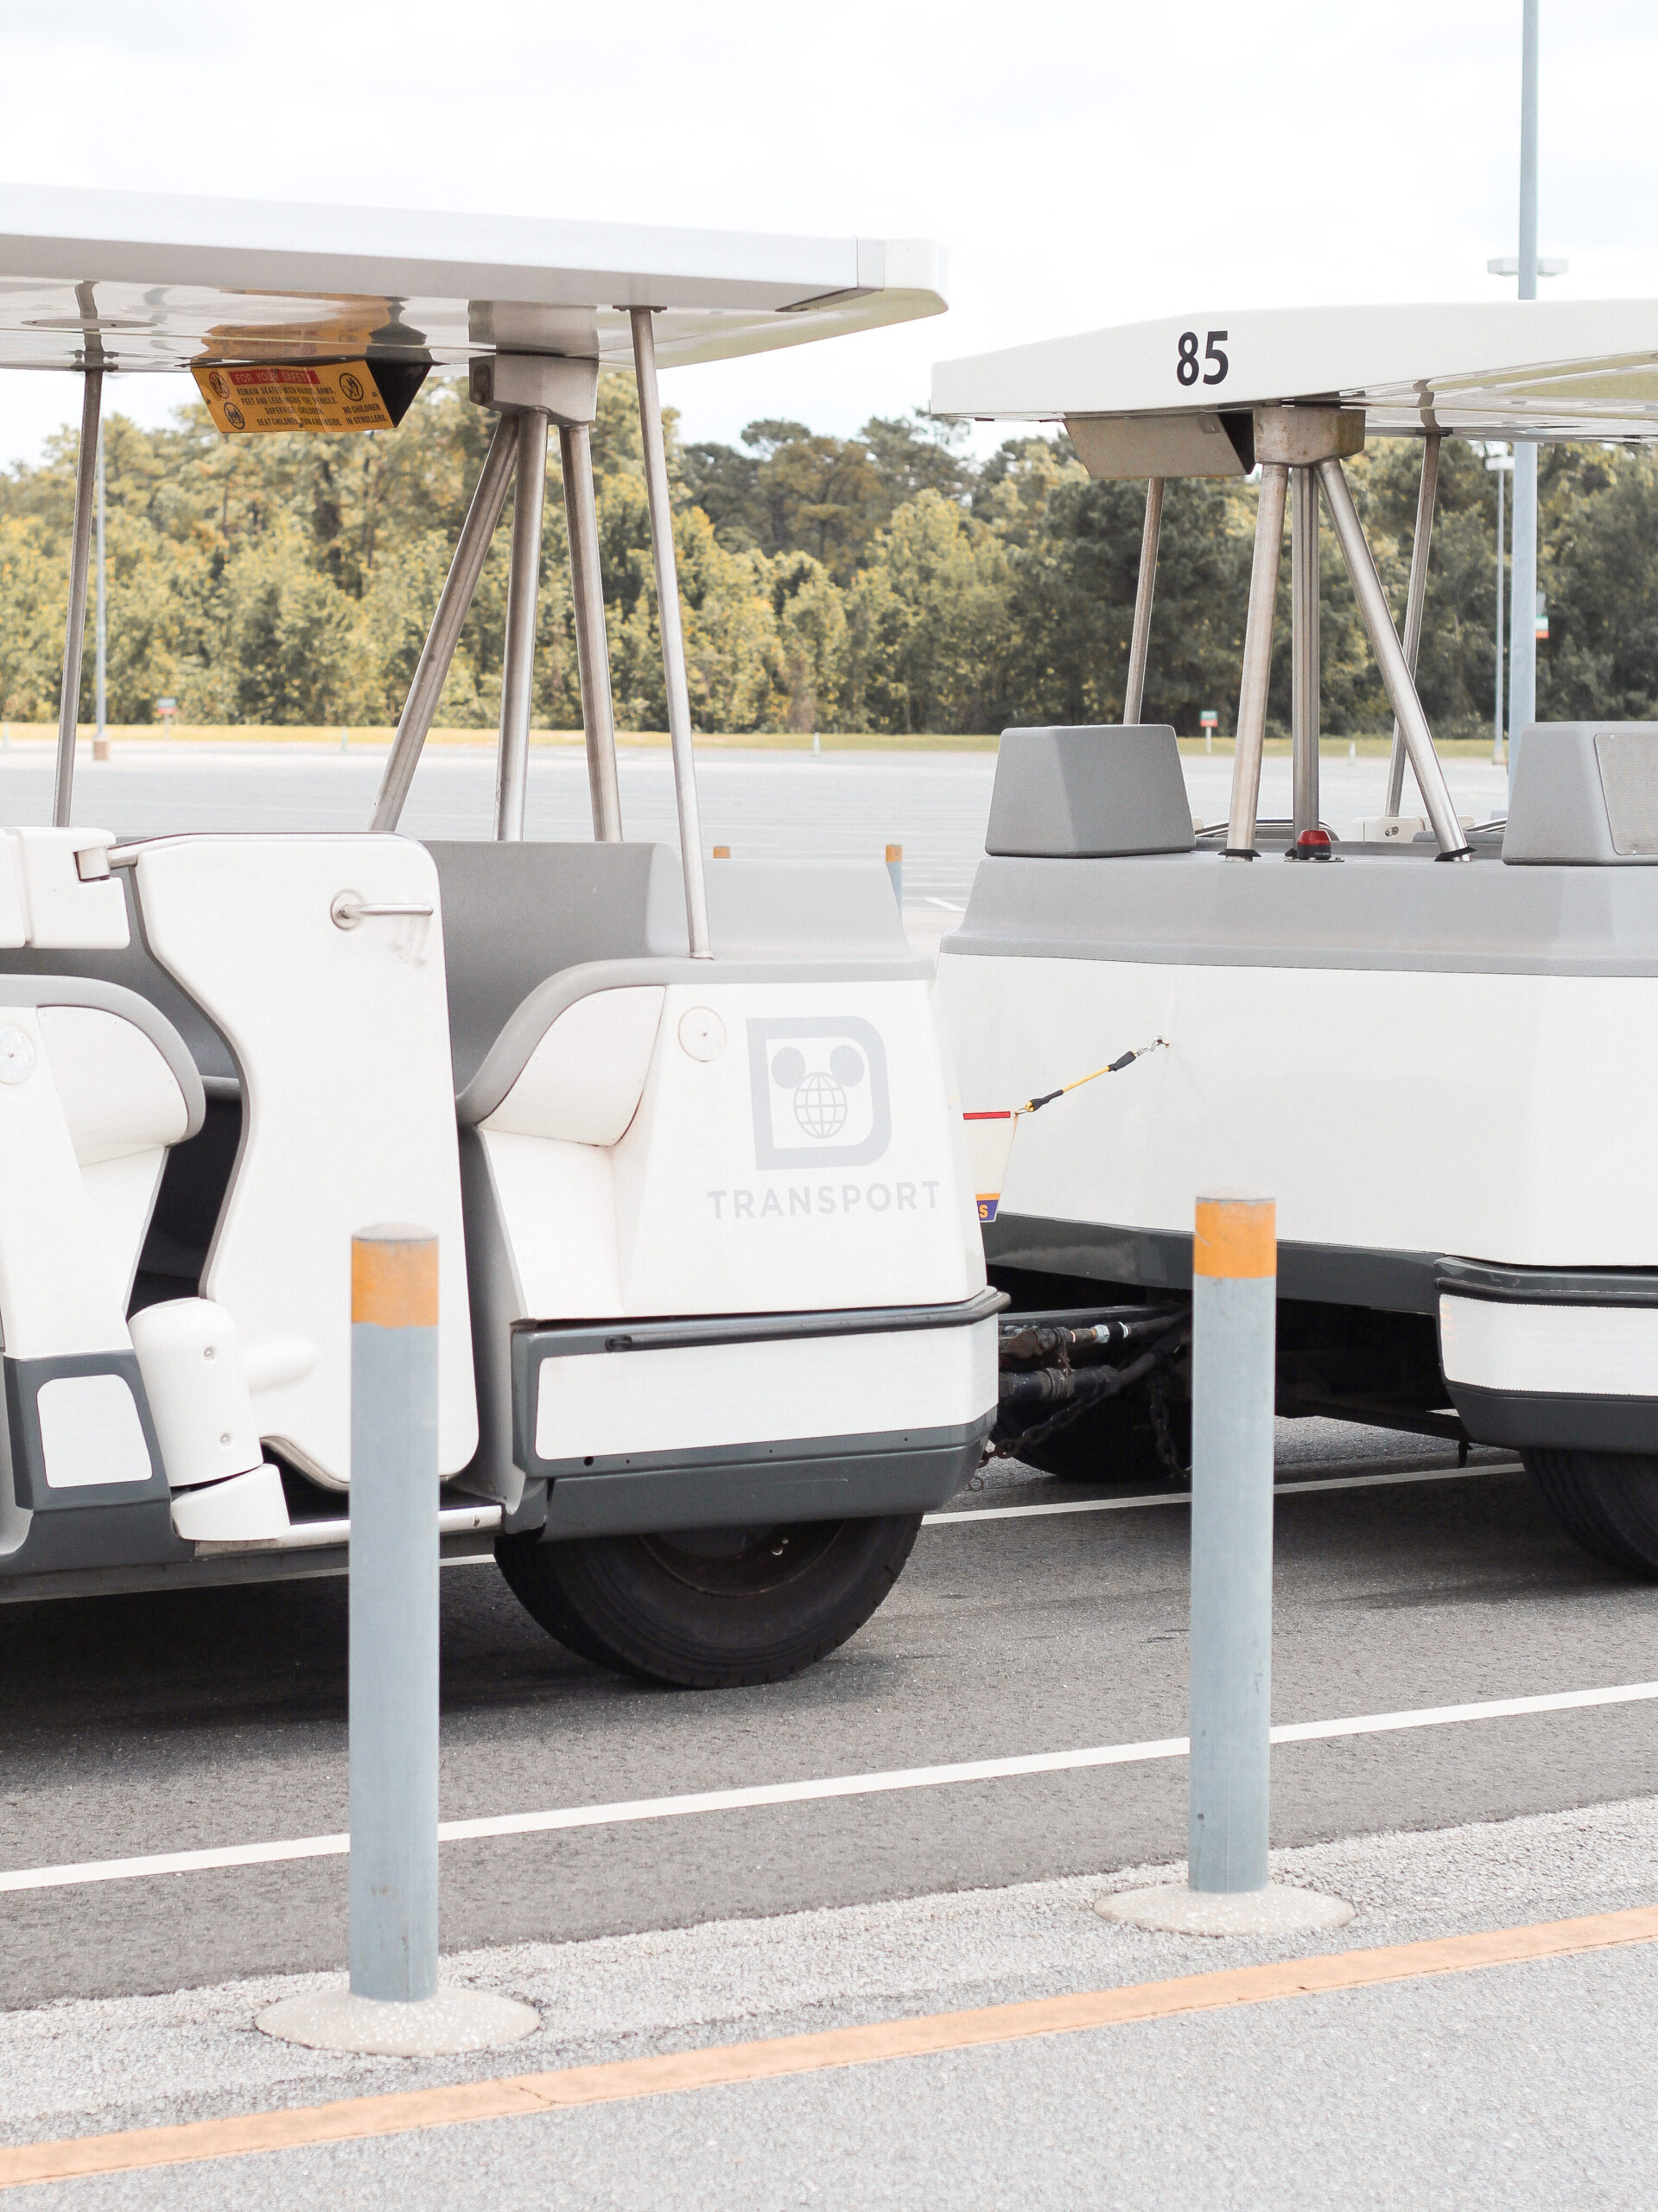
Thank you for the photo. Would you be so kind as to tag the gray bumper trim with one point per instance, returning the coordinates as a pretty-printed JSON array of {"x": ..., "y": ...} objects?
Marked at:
[
  {"x": 819, "y": 1478},
  {"x": 1576, "y": 1422},
  {"x": 1160, "y": 1259}
]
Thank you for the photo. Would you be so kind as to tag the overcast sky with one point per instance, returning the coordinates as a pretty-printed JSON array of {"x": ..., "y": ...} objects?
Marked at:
[{"x": 1082, "y": 164}]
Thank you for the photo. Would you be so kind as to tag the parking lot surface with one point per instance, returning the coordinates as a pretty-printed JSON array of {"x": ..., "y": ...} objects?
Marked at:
[
  {"x": 196, "y": 1719},
  {"x": 764, "y": 805}
]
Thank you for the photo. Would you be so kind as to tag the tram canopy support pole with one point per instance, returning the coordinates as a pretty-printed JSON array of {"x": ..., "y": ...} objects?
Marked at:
[
  {"x": 80, "y": 559},
  {"x": 1390, "y": 659},
  {"x": 1304, "y": 647},
  {"x": 673, "y": 642},
  {"x": 522, "y": 590},
  {"x": 1134, "y": 692},
  {"x": 471, "y": 550},
  {"x": 1415, "y": 600},
  {"x": 592, "y": 646},
  {"x": 1257, "y": 662}
]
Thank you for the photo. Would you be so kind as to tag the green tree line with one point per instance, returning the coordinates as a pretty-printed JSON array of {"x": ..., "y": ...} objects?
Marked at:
[{"x": 884, "y": 583}]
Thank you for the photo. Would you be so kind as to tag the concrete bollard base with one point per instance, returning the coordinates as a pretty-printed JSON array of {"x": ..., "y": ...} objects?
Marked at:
[
  {"x": 453, "y": 2021},
  {"x": 1278, "y": 1910}
]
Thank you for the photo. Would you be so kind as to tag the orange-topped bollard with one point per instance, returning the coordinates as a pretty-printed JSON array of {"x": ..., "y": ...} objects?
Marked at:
[
  {"x": 394, "y": 2006},
  {"x": 394, "y": 1611},
  {"x": 1234, "y": 1351}
]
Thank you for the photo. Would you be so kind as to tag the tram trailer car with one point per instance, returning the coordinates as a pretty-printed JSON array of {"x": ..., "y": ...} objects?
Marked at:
[
  {"x": 1434, "y": 1043},
  {"x": 713, "y": 1326}
]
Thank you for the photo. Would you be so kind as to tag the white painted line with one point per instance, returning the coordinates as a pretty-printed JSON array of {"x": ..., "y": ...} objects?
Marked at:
[
  {"x": 800, "y": 1793},
  {"x": 1184, "y": 1497}
]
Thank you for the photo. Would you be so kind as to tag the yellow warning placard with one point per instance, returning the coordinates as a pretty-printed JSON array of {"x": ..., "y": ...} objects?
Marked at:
[{"x": 320, "y": 396}]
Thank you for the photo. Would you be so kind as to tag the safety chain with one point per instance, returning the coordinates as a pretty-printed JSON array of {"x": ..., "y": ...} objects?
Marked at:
[
  {"x": 1157, "y": 1392},
  {"x": 1157, "y": 1395}
]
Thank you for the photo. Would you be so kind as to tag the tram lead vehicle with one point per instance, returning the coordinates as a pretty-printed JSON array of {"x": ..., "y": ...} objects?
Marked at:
[
  {"x": 713, "y": 1324},
  {"x": 1434, "y": 1042}
]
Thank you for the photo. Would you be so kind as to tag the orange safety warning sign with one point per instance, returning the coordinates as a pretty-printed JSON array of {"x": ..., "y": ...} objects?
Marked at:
[{"x": 321, "y": 395}]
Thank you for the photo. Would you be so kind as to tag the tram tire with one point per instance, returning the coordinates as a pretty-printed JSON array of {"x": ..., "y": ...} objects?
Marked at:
[
  {"x": 1608, "y": 1501},
  {"x": 710, "y": 1609}
]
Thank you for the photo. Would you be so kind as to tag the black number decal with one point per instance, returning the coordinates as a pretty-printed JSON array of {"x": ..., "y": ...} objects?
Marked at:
[
  {"x": 1186, "y": 367},
  {"x": 1212, "y": 352}
]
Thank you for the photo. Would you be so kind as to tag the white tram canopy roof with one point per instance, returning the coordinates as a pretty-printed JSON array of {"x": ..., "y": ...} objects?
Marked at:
[
  {"x": 1154, "y": 399},
  {"x": 136, "y": 281}
]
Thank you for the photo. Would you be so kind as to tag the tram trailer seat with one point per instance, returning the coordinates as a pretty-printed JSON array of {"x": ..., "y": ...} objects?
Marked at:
[
  {"x": 708, "y": 1256},
  {"x": 1443, "y": 1074}
]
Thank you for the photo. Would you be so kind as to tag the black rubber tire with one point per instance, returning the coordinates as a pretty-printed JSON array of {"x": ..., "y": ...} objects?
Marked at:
[
  {"x": 1607, "y": 1500},
  {"x": 710, "y": 1609}
]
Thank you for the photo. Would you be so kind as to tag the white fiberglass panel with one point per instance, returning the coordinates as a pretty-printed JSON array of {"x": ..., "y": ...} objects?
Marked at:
[
  {"x": 1608, "y": 1351},
  {"x": 797, "y": 1149},
  {"x": 66, "y": 1258},
  {"x": 342, "y": 1038},
  {"x": 1495, "y": 1117},
  {"x": 694, "y": 1396}
]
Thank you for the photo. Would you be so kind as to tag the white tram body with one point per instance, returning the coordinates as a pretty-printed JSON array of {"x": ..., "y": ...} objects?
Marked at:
[
  {"x": 713, "y": 1326},
  {"x": 1435, "y": 1043}
]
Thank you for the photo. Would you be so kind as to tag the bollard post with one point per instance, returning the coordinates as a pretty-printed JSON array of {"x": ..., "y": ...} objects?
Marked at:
[
  {"x": 1233, "y": 1352},
  {"x": 394, "y": 2006},
  {"x": 895, "y": 869},
  {"x": 394, "y": 1619},
  {"x": 1233, "y": 1330}
]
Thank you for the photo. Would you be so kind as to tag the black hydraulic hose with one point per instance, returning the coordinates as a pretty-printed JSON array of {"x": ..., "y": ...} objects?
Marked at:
[
  {"x": 1047, "y": 1341},
  {"x": 1075, "y": 1386}
]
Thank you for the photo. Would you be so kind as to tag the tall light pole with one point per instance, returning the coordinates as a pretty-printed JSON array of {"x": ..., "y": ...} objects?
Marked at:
[
  {"x": 100, "y": 735},
  {"x": 1523, "y": 649},
  {"x": 1501, "y": 464}
]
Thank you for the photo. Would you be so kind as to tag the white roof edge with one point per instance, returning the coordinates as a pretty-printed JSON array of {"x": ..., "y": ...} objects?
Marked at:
[
  {"x": 281, "y": 264},
  {"x": 1501, "y": 368}
]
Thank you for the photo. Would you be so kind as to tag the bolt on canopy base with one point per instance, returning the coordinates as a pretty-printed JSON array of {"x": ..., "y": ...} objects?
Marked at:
[
  {"x": 453, "y": 2021},
  {"x": 1278, "y": 1910}
]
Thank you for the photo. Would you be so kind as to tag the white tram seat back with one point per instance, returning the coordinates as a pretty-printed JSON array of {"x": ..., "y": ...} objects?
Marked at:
[
  {"x": 95, "y": 1087},
  {"x": 340, "y": 1036}
]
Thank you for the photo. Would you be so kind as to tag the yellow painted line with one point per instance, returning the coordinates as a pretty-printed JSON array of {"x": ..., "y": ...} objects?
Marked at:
[{"x": 356, "y": 2119}]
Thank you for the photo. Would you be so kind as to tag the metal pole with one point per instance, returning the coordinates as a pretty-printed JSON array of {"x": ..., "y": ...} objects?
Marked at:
[
  {"x": 673, "y": 642},
  {"x": 472, "y": 550},
  {"x": 1496, "y": 721},
  {"x": 1522, "y": 629},
  {"x": 1134, "y": 692},
  {"x": 1234, "y": 1319},
  {"x": 80, "y": 549},
  {"x": 1390, "y": 659},
  {"x": 1304, "y": 653},
  {"x": 100, "y": 738},
  {"x": 592, "y": 646},
  {"x": 1257, "y": 662},
  {"x": 394, "y": 1613},
  {"x": 1415, "y": 600},
  {"x": 523, "y": 588}
]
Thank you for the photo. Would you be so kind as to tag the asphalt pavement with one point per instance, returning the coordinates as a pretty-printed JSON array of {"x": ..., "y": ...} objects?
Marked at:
[{"x": 202, "y": 1718}]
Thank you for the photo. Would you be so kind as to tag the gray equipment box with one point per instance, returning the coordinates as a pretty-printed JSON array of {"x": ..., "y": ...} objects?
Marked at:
[
  {"x": 1585, "y": 794},
  {"x": 1088, "y": 793}
]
